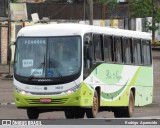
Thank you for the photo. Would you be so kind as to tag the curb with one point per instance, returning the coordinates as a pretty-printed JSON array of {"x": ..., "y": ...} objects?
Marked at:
[
  {"x": 7, "y": 103},
  {"x": 6, "y": 77},
  {"x": 2, "y": 78}
]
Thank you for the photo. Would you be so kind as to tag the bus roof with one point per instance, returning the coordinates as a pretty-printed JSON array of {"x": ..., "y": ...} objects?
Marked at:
[{"x": 67, "y": 29}]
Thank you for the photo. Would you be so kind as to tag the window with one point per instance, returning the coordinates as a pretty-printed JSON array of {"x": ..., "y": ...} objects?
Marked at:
[
  {"x": 127, "y": 50},
  {"x": 108, "y": 48},
  {"x": 88, "y": 50},
  {"x": 97, "y": 43},
  {"x": 118, "y": 49},
  {"x": 137, "y": 51},
  {"x": 146, "y": 52}
]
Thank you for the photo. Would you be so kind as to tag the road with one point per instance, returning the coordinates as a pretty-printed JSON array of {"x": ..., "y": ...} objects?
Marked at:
[{"x": 9, "y": 111}]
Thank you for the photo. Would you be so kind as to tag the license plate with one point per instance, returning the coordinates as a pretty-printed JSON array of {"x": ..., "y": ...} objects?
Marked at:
[{"x": 45, "y": 100}]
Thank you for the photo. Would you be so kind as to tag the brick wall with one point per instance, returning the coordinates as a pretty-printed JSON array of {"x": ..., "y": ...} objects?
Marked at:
[{"x": 4, "y": 43}]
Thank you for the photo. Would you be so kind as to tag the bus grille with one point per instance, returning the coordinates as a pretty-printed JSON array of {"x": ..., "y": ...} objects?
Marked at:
[
  {"x": 45, "y": 93},
  {"x": 54, "y": 101}
]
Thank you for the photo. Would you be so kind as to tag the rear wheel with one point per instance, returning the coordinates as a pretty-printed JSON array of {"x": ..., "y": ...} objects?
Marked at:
[
  {"x": 92, "y": 112},
  {"x": 130, "y": 109},
  {"x": 127, "y": 111},
  {"x": 32, "y": 113}
]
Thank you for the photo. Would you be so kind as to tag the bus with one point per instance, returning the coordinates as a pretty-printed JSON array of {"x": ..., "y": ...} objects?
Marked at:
[{"x": 82, "y": 70}]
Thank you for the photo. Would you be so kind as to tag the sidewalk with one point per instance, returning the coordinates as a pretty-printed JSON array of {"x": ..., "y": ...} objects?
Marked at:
[
  {"x": 6, "y": 92},
  {"x": 6, "y": 72},
  {"x": 6, "y": 85}
]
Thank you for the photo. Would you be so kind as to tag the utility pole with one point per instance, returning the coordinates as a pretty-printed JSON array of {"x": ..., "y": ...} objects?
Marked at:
[
  {"x": 90, "y": 12},
  {"x": 153, "y": 21},
  {"x": 84, "y": 6}
]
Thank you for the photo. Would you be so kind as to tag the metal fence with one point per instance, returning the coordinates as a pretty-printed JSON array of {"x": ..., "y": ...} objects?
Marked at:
[
  {"x": 65, "y": 11},
  {"x": 2, "y": 8}
]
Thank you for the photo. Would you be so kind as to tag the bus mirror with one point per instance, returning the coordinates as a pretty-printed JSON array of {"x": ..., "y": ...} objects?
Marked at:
[
  {"x": 88, "y": 40},
  {"x": 14, "y": 43},
  {"x": 9, "y": 54}
]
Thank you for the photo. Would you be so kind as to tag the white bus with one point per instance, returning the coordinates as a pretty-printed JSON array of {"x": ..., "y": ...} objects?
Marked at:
[{"x": 82, "y": 69}]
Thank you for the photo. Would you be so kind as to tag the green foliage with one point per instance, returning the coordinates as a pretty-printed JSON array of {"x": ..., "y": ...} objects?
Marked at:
[
  {"x": 111, "y": 5},
  {"x": 14, "y": 1},
  {"x": 147, "y": 8},
  {"x": 141, "y": 8}
]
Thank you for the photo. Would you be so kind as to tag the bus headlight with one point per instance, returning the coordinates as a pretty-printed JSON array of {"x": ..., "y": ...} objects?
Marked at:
[
  {"x": 74, "y": 89},
  {"x": 22, "y": 91}
]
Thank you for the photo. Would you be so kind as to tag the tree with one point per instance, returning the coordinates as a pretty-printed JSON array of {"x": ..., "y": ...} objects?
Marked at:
[
  {"x": 65, "y": 1},
  {"x": 111, "y": 5},
  {"x": 143, "y": 9},
  {"x": 147, "y": 8}
]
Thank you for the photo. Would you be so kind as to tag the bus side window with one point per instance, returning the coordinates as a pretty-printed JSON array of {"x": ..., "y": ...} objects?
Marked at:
[
  {"x": 97, "y": 43},
  {"x": 137, "y": 51},
  {"x": 108, "y": 48},
  {"x": 118, "y": 49},
  {"x": 88, "y": 51},
  {"x": 146, "y": 52},
  {"x": 127, "y": 56}
]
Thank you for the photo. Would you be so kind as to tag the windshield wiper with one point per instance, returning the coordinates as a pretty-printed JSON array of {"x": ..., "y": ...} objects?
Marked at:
[{"x": 36, "y": 70}]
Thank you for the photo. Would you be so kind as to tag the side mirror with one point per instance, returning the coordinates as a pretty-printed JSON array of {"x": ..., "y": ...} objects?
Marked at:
[
  {"x": 9, "y": 54},
  {"x": 88, "y": 40},
  {"x": 14, "y": 43}
]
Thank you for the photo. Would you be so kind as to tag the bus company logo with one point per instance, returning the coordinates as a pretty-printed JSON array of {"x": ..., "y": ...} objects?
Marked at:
[{"x": 6, "y": 122}]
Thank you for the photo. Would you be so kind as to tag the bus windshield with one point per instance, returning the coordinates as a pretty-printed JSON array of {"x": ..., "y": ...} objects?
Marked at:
[{"x": 48, "y": 57}]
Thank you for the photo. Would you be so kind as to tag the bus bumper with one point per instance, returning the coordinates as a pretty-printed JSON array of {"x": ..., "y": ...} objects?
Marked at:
[{"x": 80, "y": 98}]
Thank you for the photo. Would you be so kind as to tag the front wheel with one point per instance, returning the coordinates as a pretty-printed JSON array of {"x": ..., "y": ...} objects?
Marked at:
[
  {"x": 92, "y": 112},
  {"x": 74, "y": 113},
  {"x": 32, "y": 113}
]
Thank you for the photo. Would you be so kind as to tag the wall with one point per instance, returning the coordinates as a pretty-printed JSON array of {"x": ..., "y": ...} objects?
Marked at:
[{"x": 4, "y": 43}]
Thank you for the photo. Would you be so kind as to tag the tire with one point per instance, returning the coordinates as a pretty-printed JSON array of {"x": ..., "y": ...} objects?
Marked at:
[
  {"x": 74, "y": 113},
  {"x": 127, "y": 111},
  {"x": 69, "y": 114},
  {"x": 92, "y": 112},
  {"x": 118, "y": 114},
  {"x": 130, "y": 109},
  {"x": 32, "y": 113},
  {"x": 79, "y": 113}
]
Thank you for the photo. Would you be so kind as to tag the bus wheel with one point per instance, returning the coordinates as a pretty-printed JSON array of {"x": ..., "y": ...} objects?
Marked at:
[
  {"x": 118, "y": 114},
  {"x": 32, "y": 113},
  {"x": 127, "y": 111},
  {"x": 69, "y": 114},
  {"x": 79, "y": 113},
  {"x": 92, "y": 112},
  {"x": 74, "y": 113},
  {"x": 130, "y": 109}
]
